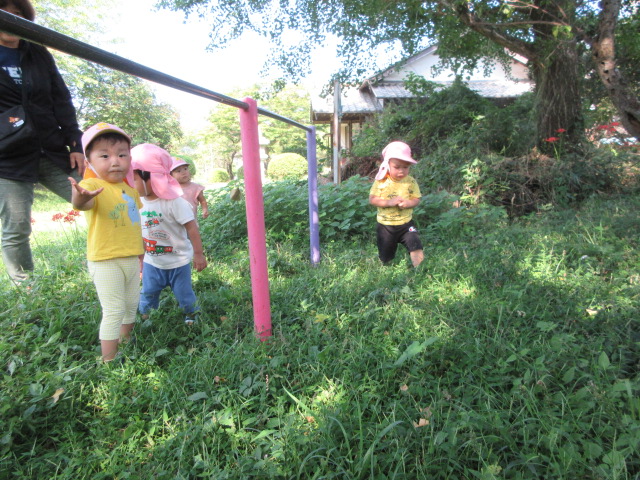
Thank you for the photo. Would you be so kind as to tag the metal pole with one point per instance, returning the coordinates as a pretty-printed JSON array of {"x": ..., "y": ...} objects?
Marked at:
[
  {"x": 336, "y": 132},
  {"x": 314, "y": 217}
]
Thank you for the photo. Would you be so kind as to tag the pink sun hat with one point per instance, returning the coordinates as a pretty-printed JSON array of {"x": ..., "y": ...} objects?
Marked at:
[
  {"x": 157, "y": 161},
  {"x": 177, "y": 162},
  {"x": 100, "y": 129},
  {"x": 397, "y": 150}
]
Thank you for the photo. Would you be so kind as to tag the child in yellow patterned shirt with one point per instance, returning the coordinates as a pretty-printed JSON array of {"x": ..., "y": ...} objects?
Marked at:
[
  {"x": 114, "y": 241},
  {"x": 395, "y": 193}
]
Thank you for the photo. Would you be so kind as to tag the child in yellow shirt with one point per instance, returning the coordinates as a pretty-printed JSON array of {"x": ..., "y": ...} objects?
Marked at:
[
  {"x": 114, "y": 241},
  {"x": 396, "y": 193}
]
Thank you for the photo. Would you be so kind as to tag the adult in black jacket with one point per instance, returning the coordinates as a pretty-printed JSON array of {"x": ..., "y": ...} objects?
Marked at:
[{"x": 48, "y": 154}]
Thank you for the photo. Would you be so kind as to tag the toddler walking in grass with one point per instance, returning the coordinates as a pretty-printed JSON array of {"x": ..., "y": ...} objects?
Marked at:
[
  {"x": 114, "y": 241},
  {"x": 170, "y": 233},
  {"x": 192, "y": 192},
  {"x": 395, "y": 193}
]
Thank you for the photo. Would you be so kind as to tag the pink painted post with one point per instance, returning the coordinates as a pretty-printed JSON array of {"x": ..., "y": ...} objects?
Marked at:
[{"x": 255, "y": 219}]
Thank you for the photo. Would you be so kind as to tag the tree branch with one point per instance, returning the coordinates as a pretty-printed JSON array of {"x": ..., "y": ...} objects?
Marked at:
[{"x": 490, "y": 31}]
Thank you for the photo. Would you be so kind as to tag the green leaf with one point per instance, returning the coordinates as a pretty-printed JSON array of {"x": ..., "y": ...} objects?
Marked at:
[
  {"x": 603, "y": 361},
  {"x": 262, "y": 434},
  {"x": 197, "y": 396},
  {"x": 414, "y": 349}
]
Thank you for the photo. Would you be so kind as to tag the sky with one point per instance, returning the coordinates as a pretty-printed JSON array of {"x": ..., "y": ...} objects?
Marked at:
[{"x": 163, "y": 41}]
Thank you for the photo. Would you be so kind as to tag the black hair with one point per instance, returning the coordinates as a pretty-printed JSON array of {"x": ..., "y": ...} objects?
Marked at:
[
  {"x": 26, "y": 9},
  {"x": 143, "y": 175},
  {"x": 111, "y": 137}
]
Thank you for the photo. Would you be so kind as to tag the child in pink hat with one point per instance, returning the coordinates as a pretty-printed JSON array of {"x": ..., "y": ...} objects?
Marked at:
[
  {"x": 192, "y": 192},
  {"x": 114, "y": 241},
  {"x": 169, "y": 231},
  {"x": 395, "y": 193}
]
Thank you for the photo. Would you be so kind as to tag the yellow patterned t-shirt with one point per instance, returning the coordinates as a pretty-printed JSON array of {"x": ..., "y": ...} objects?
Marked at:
[
  {"x": 387, "y": 189},
  {"x": 114, "y": 221}
]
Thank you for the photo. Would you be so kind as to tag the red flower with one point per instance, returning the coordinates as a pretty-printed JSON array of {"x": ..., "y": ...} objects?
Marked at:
[
  {"x": 551, "y": 139},
  {"x": 33, "y": 220},
  {"x": 602, "y": 127},
  {"x": 69, "y": 218},
  {"x": 560, "y": 130},
  {"x": 57, "y": 217},
  {"x": 615, "y": 124}
]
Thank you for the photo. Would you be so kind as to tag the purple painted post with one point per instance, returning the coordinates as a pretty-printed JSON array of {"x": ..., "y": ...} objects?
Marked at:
[
  {"x": 255, "y": 219},
  {"x": 314, "y": 220}
]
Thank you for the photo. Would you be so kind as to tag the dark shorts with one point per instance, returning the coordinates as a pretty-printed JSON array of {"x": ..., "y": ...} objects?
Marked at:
[{"x": 389, "y": 236}]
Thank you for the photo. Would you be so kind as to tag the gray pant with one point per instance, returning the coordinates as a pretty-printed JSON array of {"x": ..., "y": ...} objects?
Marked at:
[{"x": 16, "y": 199}]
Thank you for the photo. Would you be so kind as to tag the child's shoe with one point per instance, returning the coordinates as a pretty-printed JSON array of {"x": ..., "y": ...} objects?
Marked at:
[{"x": 189, "y": 320}]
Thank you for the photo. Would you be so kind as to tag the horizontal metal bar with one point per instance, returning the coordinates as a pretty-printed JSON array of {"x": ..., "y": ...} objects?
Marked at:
[{"x": 50, "y": 38}]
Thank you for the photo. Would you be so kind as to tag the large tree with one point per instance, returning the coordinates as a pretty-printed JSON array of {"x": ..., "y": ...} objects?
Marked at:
[
  {"x": 102, "y": 94},
  {"x": 549, "y": 33},
  {"x": 105, "y": 95}
]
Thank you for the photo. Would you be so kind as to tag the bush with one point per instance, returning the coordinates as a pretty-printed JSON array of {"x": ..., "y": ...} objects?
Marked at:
[
  {"x": 287, "y": 165},
  {"x": 218, "y": 175},
  {"x": 344, "y": 212}
]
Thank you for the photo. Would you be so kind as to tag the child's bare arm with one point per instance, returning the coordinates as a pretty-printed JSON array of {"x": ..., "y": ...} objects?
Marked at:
[
  {"x": 81, "y": 198},
  {"x": 203, "y": 205},
  {"x": 199, "y": 262}
]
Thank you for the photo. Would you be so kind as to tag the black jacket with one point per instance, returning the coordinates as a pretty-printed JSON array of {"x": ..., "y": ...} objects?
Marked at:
[{"x": 48, "y": 107}]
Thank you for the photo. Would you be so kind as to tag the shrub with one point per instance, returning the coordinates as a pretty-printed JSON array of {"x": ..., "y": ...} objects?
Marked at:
[
  {"x": 287, "y": 165},
  {"x": 344, "y": 212},
  {"x": 218, "y": 175}
]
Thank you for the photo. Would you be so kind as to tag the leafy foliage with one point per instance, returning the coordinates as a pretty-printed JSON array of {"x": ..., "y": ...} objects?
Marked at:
[
  {"x": 218, "y": 175},
  {"x": 106, "y": 95},
  {"x": 287, "y": 165}
]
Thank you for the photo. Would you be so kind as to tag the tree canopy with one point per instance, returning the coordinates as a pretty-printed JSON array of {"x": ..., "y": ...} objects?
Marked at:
[
  {"x": 551, "y": 34},
  {"x": 102, "y": 94}
]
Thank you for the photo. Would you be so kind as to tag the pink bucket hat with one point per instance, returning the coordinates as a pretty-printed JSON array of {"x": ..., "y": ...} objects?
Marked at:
[
  {"x": 100, "y": 129},
  {"x": 157, "y": 161},
  {"x": 398, "y": 150},
  {"x": 177, "y": 162}
]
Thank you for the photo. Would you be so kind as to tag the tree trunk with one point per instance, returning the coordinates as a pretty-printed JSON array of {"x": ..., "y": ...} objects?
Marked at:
[
  {"x": 622, "y": 97},
  {"x": 558, "y": 102}
]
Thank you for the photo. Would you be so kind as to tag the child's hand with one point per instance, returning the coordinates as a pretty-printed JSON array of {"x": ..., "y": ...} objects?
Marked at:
[
  {"x": 199, "y": 262},
  {"x": 81, "y": 196},
  {"x": 205, "y": 213},
  {"x": 394, "y": 202}
]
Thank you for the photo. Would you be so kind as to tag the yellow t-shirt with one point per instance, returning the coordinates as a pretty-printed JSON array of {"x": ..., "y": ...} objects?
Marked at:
[
  {"x": 387, "y": 189},
  {"x": 114, "y": 221}
]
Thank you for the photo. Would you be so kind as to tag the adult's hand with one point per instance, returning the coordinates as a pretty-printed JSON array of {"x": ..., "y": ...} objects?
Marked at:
[{"x": 76, "y": 160}]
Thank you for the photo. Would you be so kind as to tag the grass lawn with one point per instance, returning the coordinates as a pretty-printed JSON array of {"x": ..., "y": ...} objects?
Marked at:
[{"x": 512, "y": 353}]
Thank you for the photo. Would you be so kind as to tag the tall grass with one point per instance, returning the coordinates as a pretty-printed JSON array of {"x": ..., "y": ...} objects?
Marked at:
[{"x": 511, "y": 353}]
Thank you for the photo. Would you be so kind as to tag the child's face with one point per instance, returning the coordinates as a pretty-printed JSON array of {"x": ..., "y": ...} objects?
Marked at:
[
  {"x": 182, "y": 174},
  {"x": 110, "y": 160},
  {"x": 398, "y": 169}
]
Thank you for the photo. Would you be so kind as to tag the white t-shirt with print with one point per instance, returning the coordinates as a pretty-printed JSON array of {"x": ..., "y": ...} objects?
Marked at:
[{"x": 166, "y": 243}]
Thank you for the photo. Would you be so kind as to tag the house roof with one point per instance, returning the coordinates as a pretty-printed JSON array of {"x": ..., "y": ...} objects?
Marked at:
[
  {"x": 369, "y": 98},
  {"x": 484, "y": 88},
  {"x": 354, "y": 103}
]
